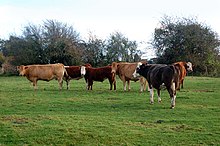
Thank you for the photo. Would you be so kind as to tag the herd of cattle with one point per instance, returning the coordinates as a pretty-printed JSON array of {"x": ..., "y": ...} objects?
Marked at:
[{"x": 156, "y": 75}]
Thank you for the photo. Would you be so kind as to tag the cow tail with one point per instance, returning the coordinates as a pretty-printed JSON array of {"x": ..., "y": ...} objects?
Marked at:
[
  {"x": 176, "y": 73},
  {"x": 65, "y": 72}
]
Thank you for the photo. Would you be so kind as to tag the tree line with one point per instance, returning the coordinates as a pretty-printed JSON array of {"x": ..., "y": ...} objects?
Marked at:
[
  {"x": 188, "y": 40},
  {"x": 176, "y": 39},
  {"x": 55, "y": 42}
]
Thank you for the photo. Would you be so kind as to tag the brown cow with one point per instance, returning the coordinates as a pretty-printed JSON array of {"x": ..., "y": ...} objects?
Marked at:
[
  {"x": 43, "y": 72},
  {"x": 125, "y": 72},
  {"x": 184, "y": 67},
  {"x": 99, "y": 74},
  {"x": 75, "y": 72}
]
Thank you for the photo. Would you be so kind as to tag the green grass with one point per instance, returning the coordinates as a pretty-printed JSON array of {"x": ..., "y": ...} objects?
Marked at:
[{"x": 103, "y": 117}]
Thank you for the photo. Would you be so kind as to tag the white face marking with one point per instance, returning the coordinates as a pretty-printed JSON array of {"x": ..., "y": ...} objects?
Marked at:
[
  {"x": 139, "y": 64},
  {"x": 135, "y": 74},
  {"x": 83, "y": 70},
  {"x": 189, "y": 66}
]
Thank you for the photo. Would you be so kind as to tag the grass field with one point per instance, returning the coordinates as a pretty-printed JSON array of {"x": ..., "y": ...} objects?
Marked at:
[{"x": 104, "y": 117}]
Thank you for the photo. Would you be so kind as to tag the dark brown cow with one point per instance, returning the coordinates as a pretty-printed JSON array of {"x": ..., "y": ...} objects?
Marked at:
[
  {"x": 125, "y": 72},
  {"x": 159, "y": 74},
  {"x": 75, "y": 72},
  {"x": 100, "y": 74},
  {"x": 43, "y": 72},
  {"x": 184, "y": 67}
]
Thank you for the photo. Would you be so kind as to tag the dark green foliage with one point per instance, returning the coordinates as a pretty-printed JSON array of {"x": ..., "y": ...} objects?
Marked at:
[
  {"x": 95, "y": 51},
  {"x": 119, "y": 48},
  {"x": 51, "y": 43},
  {"x": 182, "y": 39},
  {"x": 56, "y": 42}
]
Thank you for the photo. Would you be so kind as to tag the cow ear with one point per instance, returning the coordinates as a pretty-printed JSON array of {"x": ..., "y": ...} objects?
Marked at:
[
  {"x": 25, "y": 67},
  {"x": 143, "y": 65}
]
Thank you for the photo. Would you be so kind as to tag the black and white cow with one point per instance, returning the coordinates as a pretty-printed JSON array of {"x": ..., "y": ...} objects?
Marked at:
[{"x": 158, "y": 74}]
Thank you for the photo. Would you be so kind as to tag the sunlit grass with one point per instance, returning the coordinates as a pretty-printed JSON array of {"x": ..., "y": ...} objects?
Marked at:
[{"x": 103, "y": 117}]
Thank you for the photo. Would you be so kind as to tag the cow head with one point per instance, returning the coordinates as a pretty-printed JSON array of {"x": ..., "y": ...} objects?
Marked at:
[
  {"x": 136, "y": 72},
  {"x": 114, "y": 67},
  {"x": 83, "y": 70},
  {"x": 22, "y": 70},
  {"x": 189, "y": 66}
]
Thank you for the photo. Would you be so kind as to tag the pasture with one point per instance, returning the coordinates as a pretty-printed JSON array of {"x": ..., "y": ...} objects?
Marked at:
[{"x": 103, "y": 117}]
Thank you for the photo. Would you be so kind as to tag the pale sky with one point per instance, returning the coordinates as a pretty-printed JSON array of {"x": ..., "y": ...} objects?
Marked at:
[{"x": 136, "y": 19}]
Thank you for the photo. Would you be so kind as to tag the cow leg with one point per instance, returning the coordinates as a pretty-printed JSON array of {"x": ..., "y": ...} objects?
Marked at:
[
  {"x": 35, "y": 84},
  {"x": 158, "y": 94},
  {"x": 90, "y": 83},
  {"x": 177, "y": 86},
  {"x": 129, "y": 85},
  {"x": 151, "y": 95},
  {"x": 60, "y": 81},
  {"x": 172, "y": 93},
  {"x": 67, "y": 84},
  {"x": 124, "y": 85},
  {"x": 114, "y": 83},
  {"x": 146, "y": 86},
  {"x": 110, "y": 82},
  {"x": 182, "y": 84},
  {"x": 110, "y": 86},
  {"x": 87, "y": 86},
  {"x": 142, "y": 85}
]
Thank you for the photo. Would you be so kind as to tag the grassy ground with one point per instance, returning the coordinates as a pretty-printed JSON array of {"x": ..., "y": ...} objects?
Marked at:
[{"x": 104, "y": 117}]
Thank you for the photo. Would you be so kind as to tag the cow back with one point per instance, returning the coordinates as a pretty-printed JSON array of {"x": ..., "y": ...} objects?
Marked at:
[
  {"x": 98, "y": 74},
  {"x": 73, "y": 71},
  {"x": 44, "y": 72},
  {"x": 126, "y": 70},
  {"x": 181, "y": 66}
]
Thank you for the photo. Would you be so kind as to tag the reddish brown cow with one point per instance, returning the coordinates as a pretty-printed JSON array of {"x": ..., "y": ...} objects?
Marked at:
[
  {"x": 125, "y": 72},
  {"x": 75, "y": 72},
  {"x": 43, "y": 72},
  {"x": 183, "y": 67},
  {"x": 100, "y": 74}
]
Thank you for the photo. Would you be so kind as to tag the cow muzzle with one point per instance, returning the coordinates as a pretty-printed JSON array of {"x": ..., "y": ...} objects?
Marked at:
[
  {"x": 83, "y": 70},
  {"x": 135, "y": 74}
]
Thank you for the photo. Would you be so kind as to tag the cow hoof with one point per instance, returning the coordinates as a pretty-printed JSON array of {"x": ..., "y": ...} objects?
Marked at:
[
  {"x": 172, "y": 107},
  {"x": 151, "y": 102}
]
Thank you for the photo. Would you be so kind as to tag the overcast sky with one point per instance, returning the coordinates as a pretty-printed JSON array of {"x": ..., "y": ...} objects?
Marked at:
[{"x": 136, "y": 19}]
